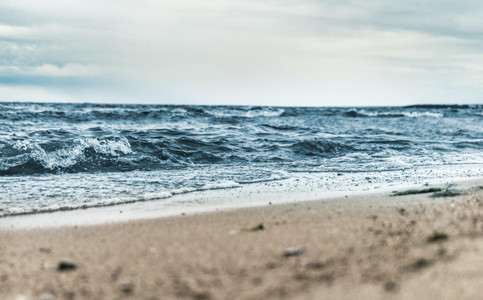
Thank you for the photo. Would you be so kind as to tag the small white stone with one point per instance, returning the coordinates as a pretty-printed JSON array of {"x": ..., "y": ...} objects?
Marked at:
[{"x": 293, "y": 251}]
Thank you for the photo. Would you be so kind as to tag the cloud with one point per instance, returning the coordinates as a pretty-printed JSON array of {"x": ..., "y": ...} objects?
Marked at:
[
  {"x": 246, "y": 51},
  {"x": 48, "y": 70}
]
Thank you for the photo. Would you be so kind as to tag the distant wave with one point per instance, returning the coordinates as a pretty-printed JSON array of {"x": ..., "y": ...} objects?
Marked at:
[
  {"x": 444, "y": 106},
  {"x": 251, "y": 113},
  {"x": 423, "y": 114},
  {"x": 264, "y": 113},
  {"x": 409, "y": 114}
]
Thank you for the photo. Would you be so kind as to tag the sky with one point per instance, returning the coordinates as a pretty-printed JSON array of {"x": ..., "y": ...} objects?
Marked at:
[{"x": 260, "y": 52}]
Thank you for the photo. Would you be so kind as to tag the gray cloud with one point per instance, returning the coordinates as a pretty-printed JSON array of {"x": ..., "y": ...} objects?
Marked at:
[{"x": 243, "y": 52}]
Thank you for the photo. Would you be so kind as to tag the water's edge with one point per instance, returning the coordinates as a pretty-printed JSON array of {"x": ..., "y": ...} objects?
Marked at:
[{"x": 215, "y": 201}]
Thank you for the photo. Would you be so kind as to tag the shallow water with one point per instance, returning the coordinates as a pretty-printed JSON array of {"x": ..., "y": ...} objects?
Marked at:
[{"x": 57, "y": 156}]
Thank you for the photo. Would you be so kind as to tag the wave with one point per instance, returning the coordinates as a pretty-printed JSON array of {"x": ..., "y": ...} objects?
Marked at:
[
  {"x": 319, "y": 148},
  {"x": 80, "y": 113},
  {"x": 136, "y": 151},
  {"x": 423, "y": 114},
  {"x": 118, "y": 200},
  {"x": 444, "y": 106},
  {"x": 226, "y": 184},
  {"x": 413, "y": 114},
  {"x": 364, "y": 113},
  {"x": 28, "y": 157},
  {"x": 284, "y": 127},
  {"x": 243, "y": 113},
  {"x": 264, "y": 113}
]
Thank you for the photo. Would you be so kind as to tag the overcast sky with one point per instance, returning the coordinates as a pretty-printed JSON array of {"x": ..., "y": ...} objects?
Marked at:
[{"x": 260, "y": 52}]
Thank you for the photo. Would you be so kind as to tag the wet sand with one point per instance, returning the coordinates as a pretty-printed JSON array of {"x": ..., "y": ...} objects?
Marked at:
[{"x": 364, "y": 247}]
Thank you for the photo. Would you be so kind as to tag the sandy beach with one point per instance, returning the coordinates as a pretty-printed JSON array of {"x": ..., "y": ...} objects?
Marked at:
[{"x": 359, "y": 247}]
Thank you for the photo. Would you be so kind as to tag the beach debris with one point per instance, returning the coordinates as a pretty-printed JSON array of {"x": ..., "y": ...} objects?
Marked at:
[
  {"x": 447, "y": 193},
  {"x": 437, "y": 237},
  {"x": 255, "y": 228},
  {"x": 66, "y": 266},
  {"x": 295, "y": 251},
  {"x": 414, "y": 192}
]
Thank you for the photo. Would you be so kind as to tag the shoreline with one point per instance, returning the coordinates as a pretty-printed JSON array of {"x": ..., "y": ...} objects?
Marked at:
[
  {"x": 53, "y": 197},
  {"x": 193, "y": 203},
  {"x": 365, "y": 246}
]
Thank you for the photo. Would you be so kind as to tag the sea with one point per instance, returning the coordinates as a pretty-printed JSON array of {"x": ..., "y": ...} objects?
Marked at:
[{"x": 57, "y": 156}]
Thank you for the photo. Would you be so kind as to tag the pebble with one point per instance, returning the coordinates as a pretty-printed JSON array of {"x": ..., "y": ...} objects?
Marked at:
[
  {"x": 66, "y": 266},
  {"x": 293, "y": 251}
]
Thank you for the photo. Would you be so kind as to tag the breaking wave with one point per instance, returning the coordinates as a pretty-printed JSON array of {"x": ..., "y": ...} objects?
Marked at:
[
  {"x": 77, "y": 154},
  {"x": 393, "y": 114},
  {"x": 228, "y": 112}
]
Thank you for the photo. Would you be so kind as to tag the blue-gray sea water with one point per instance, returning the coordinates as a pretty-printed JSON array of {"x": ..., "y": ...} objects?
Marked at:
[{"x": 58, "y": 156}]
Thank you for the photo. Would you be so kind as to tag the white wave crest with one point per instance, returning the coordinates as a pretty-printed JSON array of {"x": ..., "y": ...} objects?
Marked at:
[
  {"x": 415, "y": 114},
  {"x": 109, "y": 147},
  {"x": 68, "y": 156},
  {"x": 156, "y": 196},
  {"x": 368, "y": 113},
  {"x": 62, "y": 158},
  {"x": 264, "y": 113}
]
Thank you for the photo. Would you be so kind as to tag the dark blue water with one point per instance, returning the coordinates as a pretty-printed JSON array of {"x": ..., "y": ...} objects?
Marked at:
[{"x": 55, "y": 156}]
